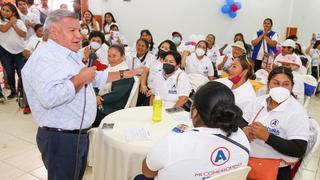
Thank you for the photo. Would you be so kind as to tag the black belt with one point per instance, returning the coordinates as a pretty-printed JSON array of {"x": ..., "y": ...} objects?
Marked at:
[{"x": 76, "y": 131}]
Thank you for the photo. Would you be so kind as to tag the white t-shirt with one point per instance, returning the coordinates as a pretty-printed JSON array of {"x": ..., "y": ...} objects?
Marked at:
[
  {"x": 91, "y": 27},
  {"x": 315, "y": 57},
  {"x": 172, "y": 88},
  {"x": 135, "y": 62},
  {"x": 195, "y": 155},
  {"x": 243, "y": 95},
  {"x": 106, "y": 28},
  {"x": 227, "y": 51},
  {"x": 203, "y": 66},
  {"x": 181, "y": 48},
  {"x": 289, "y": 121},
  {"x": 115, "y": 40},
  {"x": 34, "y": 43},
  {"x": 298, "y": 87},
  {"x": 275, "y": 37},
  {"x": 10, "y": 40},
  {"x": 102, "y": 53},
  {"x": 34, "y": 19},
  {"x": 155, "y": 67},
  {"x": 213, "y": 53}
]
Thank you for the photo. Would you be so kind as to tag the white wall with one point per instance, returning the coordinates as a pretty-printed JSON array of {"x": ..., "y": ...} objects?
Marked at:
[{"x": 204, "y": 16}]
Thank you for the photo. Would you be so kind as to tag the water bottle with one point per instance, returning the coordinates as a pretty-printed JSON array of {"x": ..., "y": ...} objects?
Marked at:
[{"x": 157, "y": 109}]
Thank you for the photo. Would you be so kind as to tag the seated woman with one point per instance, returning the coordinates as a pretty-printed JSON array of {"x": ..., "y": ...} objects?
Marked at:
[
  {"x": 172, "y": 84},
  {"x": 151, "y": 70},
  {"x": 278, "y": 125},
  {"x": 141, "y": 56},
  {"x": 97, "y": 45},
  {"x": 115, "y": 37},
  {"x": 240, "y": 73},
  {"x": 108, "y": 21},
  {"x": 198, "y": 62},
  {"x": 90, "y": 21},
  {"x": 238, "y": 49},
  {"x": 146, "y": 35},
  {"x": 207, "y": 149},
  {"x": 85, "y": 32},
  {"x": 113, "y": 96}
]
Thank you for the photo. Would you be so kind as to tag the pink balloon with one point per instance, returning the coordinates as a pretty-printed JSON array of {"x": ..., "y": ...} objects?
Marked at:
[{"x": 234, "y": 7}]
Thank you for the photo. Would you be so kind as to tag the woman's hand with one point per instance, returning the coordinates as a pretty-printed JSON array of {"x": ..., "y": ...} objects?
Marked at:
[
  {"x": 99, "y": 100},
  {"x": 259, "y": 131},
  {"x": 144, "y": 89},
  {"x": 13, "y": 20},
  {"x": 149, "y": 93},
  {"x": 248, "y": 132}
]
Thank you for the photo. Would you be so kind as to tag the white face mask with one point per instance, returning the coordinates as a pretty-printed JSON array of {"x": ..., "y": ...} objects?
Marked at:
[
  {"x": 95, "y": 45},
  {"x": 84, "y": 31},
  {"x": 279, "y": 94},
  {"x": 200, "y": 52}
]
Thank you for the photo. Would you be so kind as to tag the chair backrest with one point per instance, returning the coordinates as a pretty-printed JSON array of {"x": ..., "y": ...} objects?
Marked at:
[
  {"x": 310, "y": 85},
  {"x": 197, "y": 80},
  {"x": 238, "y": 174},
  {"x": 133, "y": 97},
  {"x": 309, "y": 166}
]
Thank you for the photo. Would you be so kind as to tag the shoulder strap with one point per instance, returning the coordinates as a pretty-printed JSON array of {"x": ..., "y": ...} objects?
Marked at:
[
  {"x": 233, "y": 142},
  {"x": 177, "y": 80}
]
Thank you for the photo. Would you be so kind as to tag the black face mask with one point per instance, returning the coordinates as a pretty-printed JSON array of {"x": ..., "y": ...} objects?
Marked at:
[
  {"x": 168, "y": 68},
  {"x": 162, "y": 54}
]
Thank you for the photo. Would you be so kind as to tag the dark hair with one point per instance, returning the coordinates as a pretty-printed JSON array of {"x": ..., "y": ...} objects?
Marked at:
[
  {"x": 215, "y": 104},
  {"x": 214, "y": 37},
  {"x": 298, "y": 49},
  {"x": 172, "y": 46},
  {"x": 37, "y": 26},
  {"x": 114, "y": 25},
  {"x": 97, "y": 34},
  {"x": 176, "y": 55},
  {"x": 205, "y": 42},
  {"x": 247, "y": 64},
  {"x": 86, "y": 25},
  {"x": 144, "y": 41},
  {"x": 269, "y": 19},
  {"x": 12, "y": 8},
  {"x": 316, "y": 44},
  {"x": 118, "y": 48},
  {"x": 17, "y": 1},
  {"x": 149, "y": 33},
  {"x": 281, "y": 70},
  {"x": 91, "y": 22},
  {"x": 105, "y": 22}
]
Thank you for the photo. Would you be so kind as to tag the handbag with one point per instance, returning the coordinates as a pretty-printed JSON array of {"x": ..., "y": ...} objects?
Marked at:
[
  {"x": 267, "y": 60},
  {"x": 263, "y": 168}
]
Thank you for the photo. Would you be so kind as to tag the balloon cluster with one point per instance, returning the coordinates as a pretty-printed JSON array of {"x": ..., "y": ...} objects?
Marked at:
[{"x": 230, "y": 7}]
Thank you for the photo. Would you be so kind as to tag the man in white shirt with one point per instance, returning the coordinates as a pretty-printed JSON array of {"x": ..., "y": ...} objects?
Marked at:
[{"x": 30, "y": 19}]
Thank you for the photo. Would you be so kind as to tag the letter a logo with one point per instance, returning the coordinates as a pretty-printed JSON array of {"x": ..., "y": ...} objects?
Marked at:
[{"x": 220, "y": 156}]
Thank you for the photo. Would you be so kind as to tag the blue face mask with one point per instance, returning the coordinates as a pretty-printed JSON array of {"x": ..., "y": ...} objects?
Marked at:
[{"x": 176, "y": 40}]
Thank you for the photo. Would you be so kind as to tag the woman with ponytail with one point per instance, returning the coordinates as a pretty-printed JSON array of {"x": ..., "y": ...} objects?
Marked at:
[{"x": 215, "y": 145}]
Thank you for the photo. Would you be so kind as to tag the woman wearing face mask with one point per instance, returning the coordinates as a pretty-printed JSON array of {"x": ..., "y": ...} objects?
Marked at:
[
  {"x": 278, "y": 125},
  {"x": 290, "y": 61},
  {"x": 187, "y": 155},
  {"x": 98, "y": 47},
  {"x": 263, "y": 42},
  {"x": 238, "y": 50},
  {"x": 85, "y": 31},
  {"x": 142, "y": 55},
  {"x": 177, "y": 39},
  {"x": 12, "y": 34},
  {"x": 151, "y": 70},
  {"x": 172, "y": 84},
  {"x": 198, "y": 62},
  {"x": 240, "y": 73}
]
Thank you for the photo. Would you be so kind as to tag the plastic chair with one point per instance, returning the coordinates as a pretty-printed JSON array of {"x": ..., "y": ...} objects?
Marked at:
[
  {"x": 197, "y": 80},
  {"x": 238, "y": 174},
  {"x": 133, "y": 97},
  {"x": 309, "y": 165},
  {"x": 310, "y": 85}
]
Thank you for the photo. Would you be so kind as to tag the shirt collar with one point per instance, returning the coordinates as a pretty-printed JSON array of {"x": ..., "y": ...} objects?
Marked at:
[
  {"x": 65, "y": 51},
  {"x": 282, "y": 107},
  {"x": 208, "y": 130}
]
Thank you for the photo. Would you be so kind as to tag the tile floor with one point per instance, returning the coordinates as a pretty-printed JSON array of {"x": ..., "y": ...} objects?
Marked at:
[{"x": 19, "y": 155}]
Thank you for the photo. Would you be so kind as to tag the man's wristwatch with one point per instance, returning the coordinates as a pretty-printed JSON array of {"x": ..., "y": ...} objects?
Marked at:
[{"x": 121, "y": 74}]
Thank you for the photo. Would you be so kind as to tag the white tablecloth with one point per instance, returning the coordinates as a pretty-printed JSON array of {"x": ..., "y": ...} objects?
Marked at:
[{"x": 115, "y": 158}]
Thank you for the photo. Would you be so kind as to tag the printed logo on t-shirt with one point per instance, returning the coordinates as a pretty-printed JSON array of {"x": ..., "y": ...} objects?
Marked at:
[
  {"x": 220, "y": 156},
  {"x": 206, "y": 71},
  {"x": 274, "y": 122}
]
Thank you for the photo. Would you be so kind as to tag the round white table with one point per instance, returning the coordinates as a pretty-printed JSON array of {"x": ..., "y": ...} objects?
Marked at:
[{"x": 116, "y": 158}]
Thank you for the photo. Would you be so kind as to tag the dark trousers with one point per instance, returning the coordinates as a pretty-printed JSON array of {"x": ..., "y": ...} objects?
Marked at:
[
  {"x": 11, "y": 63},
  {"x": 142, "y": 177},
  {"x": 314, "y": 72},
  {"x": 58, "y": 151},
  {"x": 284, "y": 173},
  {"x": 257, "y": 65}
]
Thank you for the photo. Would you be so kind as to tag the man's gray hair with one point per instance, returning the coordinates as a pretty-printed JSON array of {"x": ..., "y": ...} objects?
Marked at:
[{"x": 55, "y": 16}]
